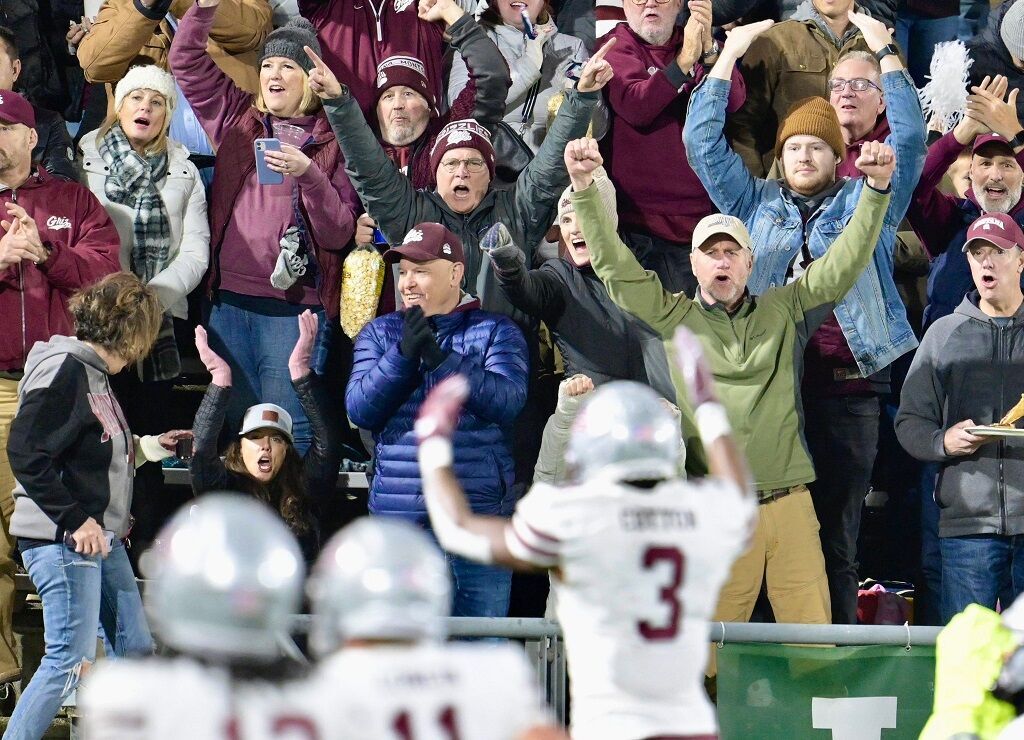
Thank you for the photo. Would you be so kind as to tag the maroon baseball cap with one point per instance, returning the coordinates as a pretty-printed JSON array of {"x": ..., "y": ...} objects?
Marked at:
[
  {"x": 425, "y": 242},
  {"x": 991, "y": 138},
  {"x": 15, "y": 109},
  {"x": 995, "y": 228}
]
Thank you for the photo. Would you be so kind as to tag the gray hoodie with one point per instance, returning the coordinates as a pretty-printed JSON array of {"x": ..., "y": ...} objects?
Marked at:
[
  {"x": 968, "y": 367},
  {"x": 70, "y": 448}
]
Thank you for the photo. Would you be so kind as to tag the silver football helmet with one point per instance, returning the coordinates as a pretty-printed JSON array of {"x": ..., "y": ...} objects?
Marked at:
[
  {"x": 226, "y": 577},
  {"x": 624, "y": 431},
  {"x": 378, "y": 578}
]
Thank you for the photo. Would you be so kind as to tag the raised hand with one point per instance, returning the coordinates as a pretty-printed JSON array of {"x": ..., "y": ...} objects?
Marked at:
[
  {"x": 215, "y": 364},
  {"x": 876, "y": 34},
  {"x": 298, "y": 361},
  {"x": 433, "y": 11},
  {"x": 877, "y": 161},
  {"x": 582, "y": 157},
  {"x": 986, "y": 105},
  {"x": 694, "y": 36},
  {"x": 739, "y": 39},
  {"x": 440, "y": 411},
  {"x": 693, "y": 366},
  {"x": 597, "y": 72},
  {"x": 321, "y": 79}
]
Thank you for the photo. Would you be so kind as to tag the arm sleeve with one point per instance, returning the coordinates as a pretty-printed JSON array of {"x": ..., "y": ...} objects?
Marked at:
[
  {"x": 908, "y": 139},
  {"x": 488, "y": 74},
  {"x": 149, "y": 449},
  {"x": 331, "y": 205},
  {"x": 239, "y": 25},
  {"x": 215, "y": 99},
  {"x": 324, "y": 453},
  {"x": 206, "y": 469},
  {"x": 550, "y": 466},
  {"x": 636, "y": 95},
  {"x": 42, "y": 431},
  {"x": 631, "y": 287},
  {"x": 752, "y": 128},
  {"x": 532, "y": 536},
  {"x": 183, "y": 273},
  {"x": 58, "y": 151},
  {"x": 497, "y": 388},
  {"x": 829, "y": 278},
  {"x": 121, "y": 31},
  {"x": 380, "y": 382},
  {"x": 931, "y": 212},
  {"x": 535, "y": 292},
  {"x": 920, "y": 422},
  {"x": 94, "y": 252},
  {"x": 720, "y": 169}
]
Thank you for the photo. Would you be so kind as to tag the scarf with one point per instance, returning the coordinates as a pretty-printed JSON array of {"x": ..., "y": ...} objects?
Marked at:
[{"x": 133, "y": 182}]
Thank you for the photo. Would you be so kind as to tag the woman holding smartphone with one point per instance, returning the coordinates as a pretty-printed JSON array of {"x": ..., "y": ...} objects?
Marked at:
[
  {"x": 74, "y": 457},
  {"x": 276, "y": 249}
]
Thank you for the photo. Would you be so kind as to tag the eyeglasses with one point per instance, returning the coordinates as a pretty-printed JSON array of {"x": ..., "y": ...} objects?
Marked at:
[
  {"x": 473, "y": 165},
  {"x": 644, "y": 2},
  {"x": 857, "y": 84}
]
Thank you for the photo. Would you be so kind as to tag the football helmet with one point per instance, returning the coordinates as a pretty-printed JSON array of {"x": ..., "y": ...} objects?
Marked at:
[
  {"x": 379, "y": 579},
  {"x": 226, "y": 577}
]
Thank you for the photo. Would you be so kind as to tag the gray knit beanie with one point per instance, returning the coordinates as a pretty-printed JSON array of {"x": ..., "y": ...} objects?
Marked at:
[
  {"x": 288, "y": 40},
  {"x": 1012, "y": 29}
]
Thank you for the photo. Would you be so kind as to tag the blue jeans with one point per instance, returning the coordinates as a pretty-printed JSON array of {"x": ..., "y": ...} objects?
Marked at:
[
  {"x": 257, "y": 348},
  {"x": 79, "y": 594},
  {"x": 917, "y": 36},
  {"x": 480, "y": 590},
  {"x": 927, "y": 609},
  {"x": 980, "y": 569},
  {"x": 973, "y": 17}
]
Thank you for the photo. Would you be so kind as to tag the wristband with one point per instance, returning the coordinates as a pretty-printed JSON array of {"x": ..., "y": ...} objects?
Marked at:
[
  {"x": 712, "y": 422},
  {"x": 1018, "y": 140},
  {"x": 887, "y": 50},
  {"x": 435, "y": 453}
]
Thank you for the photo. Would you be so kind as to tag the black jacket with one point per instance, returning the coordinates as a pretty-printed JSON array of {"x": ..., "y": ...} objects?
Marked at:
[
  {"x": 595, "y": 336},
  {"x": 320, "y": 463},
  {"x": 54, "y": 151},
  {"x": 991, "y": 57}
]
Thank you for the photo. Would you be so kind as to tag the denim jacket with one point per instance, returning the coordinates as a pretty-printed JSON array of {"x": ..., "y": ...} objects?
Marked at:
[{"x": 871, "y": 315}]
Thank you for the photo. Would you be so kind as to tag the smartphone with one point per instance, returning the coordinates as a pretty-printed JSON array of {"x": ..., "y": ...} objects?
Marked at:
[
  {"x": 265, "y": 175},
  {"x": 183, "y": 449}
]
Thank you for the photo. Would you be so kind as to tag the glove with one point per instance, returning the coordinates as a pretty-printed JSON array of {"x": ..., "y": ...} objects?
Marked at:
[
  {"x": 506, "y": 257},
  {"x": 418, "y": 340}
]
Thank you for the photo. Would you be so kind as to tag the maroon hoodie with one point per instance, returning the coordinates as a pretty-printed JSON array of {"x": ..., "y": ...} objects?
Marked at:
[{"x": 658, "y": 192}]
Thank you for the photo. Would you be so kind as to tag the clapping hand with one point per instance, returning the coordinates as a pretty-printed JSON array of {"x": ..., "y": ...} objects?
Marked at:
[
  {"x": 986, "y": 105},
  {"x": 215, "y": 364},
  {"x": 302, "y": 353},
  {"x": 739, "y": 39}
]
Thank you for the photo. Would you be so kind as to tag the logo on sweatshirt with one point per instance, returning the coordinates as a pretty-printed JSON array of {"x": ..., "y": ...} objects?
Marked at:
[
  {"x": 56, "y": 223},
  {"x": 401, "y": 5}
]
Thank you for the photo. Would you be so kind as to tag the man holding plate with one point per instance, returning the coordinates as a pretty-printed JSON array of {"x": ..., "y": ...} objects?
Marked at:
[{"x": 968, "y": 371}]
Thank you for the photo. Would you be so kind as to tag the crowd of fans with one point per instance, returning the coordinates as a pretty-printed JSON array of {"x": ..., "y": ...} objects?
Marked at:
[{"x": 519, "y": 192}]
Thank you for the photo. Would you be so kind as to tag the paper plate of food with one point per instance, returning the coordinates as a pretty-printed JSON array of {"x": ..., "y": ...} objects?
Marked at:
[{"x": 1005, "y": 427}]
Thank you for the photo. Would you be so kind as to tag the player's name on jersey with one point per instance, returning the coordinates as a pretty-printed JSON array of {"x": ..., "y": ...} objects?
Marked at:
[
  {"x": 423, "y": 678},
  {"x": 644, "y": 518}
]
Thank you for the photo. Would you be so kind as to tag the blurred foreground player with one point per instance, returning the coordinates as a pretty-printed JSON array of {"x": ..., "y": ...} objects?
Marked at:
[
  {"x": 637, "y": 555},
  {"x": 380, "y": 594},
  {"x": 226, "y": 578}
]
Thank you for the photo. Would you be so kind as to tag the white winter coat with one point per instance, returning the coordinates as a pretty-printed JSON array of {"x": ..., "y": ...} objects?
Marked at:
[{"x": 185, "y": 199}]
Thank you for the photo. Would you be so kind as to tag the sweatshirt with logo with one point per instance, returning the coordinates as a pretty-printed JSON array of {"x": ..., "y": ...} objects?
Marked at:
[{"x": 83, "y": 246}]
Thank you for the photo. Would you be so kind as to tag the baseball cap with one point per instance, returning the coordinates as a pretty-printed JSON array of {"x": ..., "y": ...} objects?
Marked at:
[
  {"x": 266, "y": 416},
  {"x": 991, "y": 138},
  {"x": 719, "y": 223},
  {"x": 428, "y": 241},
  {"x": 15, "y": 109},
  {"x": 996, "y": 228}
]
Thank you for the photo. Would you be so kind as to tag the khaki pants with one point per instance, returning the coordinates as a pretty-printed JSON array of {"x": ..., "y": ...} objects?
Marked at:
[
  {"x": 10, "y": 670},
  {"x": 785, "y": 550}
]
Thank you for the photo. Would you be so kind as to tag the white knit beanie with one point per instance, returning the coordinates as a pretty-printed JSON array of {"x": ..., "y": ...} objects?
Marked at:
[
  {"x": 605, "y": 191},
  {"x": 148, "y": 77},
  {"x": 1012, "y": 29}
]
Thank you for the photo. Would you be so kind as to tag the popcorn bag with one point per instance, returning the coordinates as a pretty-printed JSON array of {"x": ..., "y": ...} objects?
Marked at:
[{"x": 362, "y": 280}]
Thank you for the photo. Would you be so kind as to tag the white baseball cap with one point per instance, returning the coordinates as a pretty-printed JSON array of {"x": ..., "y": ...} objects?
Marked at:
[{"x": 267, "y": 416}]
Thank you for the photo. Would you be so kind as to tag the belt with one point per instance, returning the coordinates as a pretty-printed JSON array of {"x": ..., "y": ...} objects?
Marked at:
[{"x": 773, "y": 494}]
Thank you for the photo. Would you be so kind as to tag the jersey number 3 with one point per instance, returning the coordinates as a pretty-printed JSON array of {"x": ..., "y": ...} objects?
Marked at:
[
  {"x": 668, "y": 594},
  {"x": 402, "y": 724}
]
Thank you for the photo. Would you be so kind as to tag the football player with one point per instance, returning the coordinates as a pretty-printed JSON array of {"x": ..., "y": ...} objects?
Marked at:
[{"x": 637, "y": 555}]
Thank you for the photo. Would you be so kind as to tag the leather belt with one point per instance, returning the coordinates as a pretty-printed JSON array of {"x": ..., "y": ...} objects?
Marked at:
[{"x": 773, "y": 494}]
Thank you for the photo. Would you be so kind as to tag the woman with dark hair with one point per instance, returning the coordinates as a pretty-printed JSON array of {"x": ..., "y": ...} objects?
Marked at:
[
  {"x": 263, "y": 460},
  {"x": 74, "y": 460}
]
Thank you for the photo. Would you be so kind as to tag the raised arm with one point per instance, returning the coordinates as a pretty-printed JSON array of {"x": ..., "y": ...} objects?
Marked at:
[
  {"x": 629, "y": 285},
  {"x": 534, "y": 292},
  {"x": 550, "y": 467},
  {"x": 118, "y": 38},
  {"x": 752, "y": 128},
  {"x": 206, "y": 469}
]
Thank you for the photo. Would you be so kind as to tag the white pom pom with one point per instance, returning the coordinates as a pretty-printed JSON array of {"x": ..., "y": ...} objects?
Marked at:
[{"x": 944, "y": 98}]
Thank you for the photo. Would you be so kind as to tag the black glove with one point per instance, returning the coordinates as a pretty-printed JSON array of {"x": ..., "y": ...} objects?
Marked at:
[{"x": 418, "y": 339}]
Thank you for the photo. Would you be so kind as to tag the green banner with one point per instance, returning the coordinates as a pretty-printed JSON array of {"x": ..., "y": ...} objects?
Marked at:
[{"x": 846, "y": 693}]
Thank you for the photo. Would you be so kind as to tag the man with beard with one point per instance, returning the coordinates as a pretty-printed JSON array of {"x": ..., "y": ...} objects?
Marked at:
[
  {"x": 993, "y": 131},
  {"x": 798, "y": 218}
]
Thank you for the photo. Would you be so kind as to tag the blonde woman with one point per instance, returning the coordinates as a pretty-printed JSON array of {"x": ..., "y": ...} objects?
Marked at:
[{"x": 276, "y": 249}]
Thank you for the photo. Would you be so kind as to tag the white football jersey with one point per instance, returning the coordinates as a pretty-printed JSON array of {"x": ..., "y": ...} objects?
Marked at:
[
  {"x": 637, "y": 579},
  {"x": 155, "y": 699},
  {"x": 425, "y": 692}
]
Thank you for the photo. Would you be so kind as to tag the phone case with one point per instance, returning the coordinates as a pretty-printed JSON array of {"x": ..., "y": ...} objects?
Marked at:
[{"x": 265, "y": 175}]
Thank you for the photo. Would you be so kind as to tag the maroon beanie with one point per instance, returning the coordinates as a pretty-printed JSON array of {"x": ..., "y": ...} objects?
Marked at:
[
  {"x": 404, "y": 70},
  {"x": 466, "y": 133}
]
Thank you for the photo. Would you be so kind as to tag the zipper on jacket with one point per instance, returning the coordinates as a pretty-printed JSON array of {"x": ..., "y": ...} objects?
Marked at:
[
  {"x": 999, "y": 449},
  {"x": 376, "y": 14}
]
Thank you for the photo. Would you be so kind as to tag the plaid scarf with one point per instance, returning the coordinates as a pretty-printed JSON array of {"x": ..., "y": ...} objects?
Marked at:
[{"x": 133, "y": 182}]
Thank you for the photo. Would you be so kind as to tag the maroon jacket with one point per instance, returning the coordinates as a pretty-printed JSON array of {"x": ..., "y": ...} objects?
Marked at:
[
  {"x": 355, "y": 40},
  {"x": 658, "y": 192},
  {"x": 84, "y": 246},
  {"x": 228, "y": 117}
]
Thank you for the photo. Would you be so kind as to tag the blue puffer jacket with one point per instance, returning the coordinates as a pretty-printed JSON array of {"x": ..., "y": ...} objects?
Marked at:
[{"x": 385, "y": 391}]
